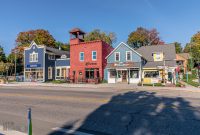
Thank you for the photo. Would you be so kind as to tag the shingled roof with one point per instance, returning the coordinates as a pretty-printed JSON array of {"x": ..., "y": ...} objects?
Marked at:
[
  {"x": 168, "y": 51},
  {"x": 58, "y": 52}
]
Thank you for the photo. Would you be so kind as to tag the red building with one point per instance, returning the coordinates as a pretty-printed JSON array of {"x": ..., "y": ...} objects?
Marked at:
[{"x": 87, "y": 59}]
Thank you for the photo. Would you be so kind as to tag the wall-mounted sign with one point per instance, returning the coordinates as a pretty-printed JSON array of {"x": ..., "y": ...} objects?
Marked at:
[
  {"x": 33, "y": 65},
  {"x": 90, "y": 63}
]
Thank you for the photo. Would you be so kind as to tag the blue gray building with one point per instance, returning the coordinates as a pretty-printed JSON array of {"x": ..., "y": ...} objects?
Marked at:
[
  {"x": 42, "y": 63},
  {"x": 123, "y": 65}
]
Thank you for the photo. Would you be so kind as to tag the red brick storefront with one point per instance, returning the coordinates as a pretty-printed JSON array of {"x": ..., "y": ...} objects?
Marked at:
[{"x": 87, "y": 59}]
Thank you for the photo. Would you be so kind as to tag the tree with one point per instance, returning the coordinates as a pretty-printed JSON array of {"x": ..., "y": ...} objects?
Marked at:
[
  {"x": 97, "y": 34},
  {"x": 63, "y": 46},
  {"x": 178, "y": 47},
  {"x": 40, "y": 36},
  {"x": 144, "y": 37},
  {"x": 2, "y": 54}
]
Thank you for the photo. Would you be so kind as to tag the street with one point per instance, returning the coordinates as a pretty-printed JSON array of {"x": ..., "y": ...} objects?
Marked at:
[{"x": 117, "y": 112}]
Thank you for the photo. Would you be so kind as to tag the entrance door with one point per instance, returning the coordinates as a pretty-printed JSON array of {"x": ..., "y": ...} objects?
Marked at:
[{"x": 124, "y": 76}]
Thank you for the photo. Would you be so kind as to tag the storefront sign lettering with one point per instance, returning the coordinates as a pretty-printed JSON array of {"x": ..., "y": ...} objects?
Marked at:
[
  {"x": 33, "y": 66},
  {"x": 90, "y": 63}
]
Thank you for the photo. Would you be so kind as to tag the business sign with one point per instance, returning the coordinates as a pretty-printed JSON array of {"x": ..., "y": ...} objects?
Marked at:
[
  {"x": 90, "y": 63},
  {"x": 158, "y": 56},
  {"x": 33, "y": 66}
]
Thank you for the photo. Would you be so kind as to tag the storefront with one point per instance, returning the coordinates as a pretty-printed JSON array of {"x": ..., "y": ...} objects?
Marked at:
[{"x": 34, "y": 74}]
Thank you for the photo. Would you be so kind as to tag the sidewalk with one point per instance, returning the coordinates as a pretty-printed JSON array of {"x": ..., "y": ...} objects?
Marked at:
[
  {"x": 10, "y": 132},
  {"x": 96, "y": 86}
]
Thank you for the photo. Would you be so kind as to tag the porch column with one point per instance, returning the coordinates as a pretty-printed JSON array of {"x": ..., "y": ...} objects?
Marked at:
[{"x": 129, "y": 75}]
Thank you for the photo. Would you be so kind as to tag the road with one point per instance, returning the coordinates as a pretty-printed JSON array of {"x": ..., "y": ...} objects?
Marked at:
[{"x": 122, "y": 112}]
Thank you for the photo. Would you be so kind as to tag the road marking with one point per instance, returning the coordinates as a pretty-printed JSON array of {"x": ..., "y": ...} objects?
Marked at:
[{"x": 70, "y": 131}]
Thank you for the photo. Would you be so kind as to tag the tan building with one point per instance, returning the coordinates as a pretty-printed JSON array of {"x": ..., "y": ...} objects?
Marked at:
[{"x": 182, "y": 61}]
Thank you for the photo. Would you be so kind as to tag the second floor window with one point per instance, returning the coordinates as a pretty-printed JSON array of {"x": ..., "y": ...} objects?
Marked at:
[
  {"x": 81, "y": 55},
  {"x": 33, "y": 57},
  {"x": 94, "y": 55},
  {"x": 128, "y": 56},
  {"x": 117, "y": 56}
]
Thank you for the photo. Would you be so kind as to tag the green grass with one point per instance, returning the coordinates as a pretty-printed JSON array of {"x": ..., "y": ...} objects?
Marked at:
[
  {"x": 58, "y": 81},
  {"x": 195, "y": 84}
]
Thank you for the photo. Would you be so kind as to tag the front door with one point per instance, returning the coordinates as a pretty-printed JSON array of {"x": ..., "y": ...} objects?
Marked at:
[{"x": 124, "y": 76}]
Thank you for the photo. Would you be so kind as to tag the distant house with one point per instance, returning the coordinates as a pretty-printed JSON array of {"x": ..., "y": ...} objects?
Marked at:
[
  {"x": 123, "y": 65},
  {"x": 42, "y": 63},
  {"x": 182, "y": 61},
  {"x": 160, "y": 63}
]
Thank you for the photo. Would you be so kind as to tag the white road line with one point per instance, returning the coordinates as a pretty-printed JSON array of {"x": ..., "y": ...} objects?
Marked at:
[{"x": 70, "y": 131}]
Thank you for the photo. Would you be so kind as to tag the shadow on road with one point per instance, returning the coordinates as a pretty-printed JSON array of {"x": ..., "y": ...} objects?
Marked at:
[{"x": 141, "y": 113}]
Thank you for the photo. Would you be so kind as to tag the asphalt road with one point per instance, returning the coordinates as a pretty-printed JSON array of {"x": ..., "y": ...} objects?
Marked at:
[{"x": 135, "y": 112}]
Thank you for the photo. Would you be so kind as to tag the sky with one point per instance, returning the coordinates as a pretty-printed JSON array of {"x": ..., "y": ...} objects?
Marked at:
[{"x": 175, "y": 20}]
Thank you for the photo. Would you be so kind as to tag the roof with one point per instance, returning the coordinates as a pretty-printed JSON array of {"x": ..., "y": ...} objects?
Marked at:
[
  {"x": 122, "y": 43},
  {"x": 184, "y": 55},
  {"x": 168, "y": 51},
  {"x": 58, "y": 52},
  {"x": 74, "y": 30}
]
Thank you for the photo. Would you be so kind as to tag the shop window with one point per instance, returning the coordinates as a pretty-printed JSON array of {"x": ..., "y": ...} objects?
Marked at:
[
  {"x": 81, "y": 56},
  {"x": 134, "y": 74},
  {"x": 89, "y": 73},
  {"x": 94, "y": 55},
  {"x": 33, "y": 57},
  {"x": 58, "y": 72},
  {"x": 119, "y": 74},
  {"x": 128, "y": 55},
  {"x": 151, "y": 74},
  {"x": 112, "y": 73},
  {"x": 117, "y": 56},
  {"x": 49, "y": 72}
]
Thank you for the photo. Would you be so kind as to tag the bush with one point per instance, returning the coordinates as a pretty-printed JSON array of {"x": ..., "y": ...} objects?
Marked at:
[
  {"x": 104, "y": 81},
  {"x": 59, "y": 81}
]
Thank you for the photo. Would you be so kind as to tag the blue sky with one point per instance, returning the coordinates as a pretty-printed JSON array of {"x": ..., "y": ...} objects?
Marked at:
[{"x": 176, "y": 20}]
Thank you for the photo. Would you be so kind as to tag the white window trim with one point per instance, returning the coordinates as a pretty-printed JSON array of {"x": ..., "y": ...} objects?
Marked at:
[
  {"x": 130, "y": 55},
  {"x": 93, "y": 55},
  {"x": 31, "y": 57},
  {"x": 115, "y": 56},
  {"x": 50, "y": 75},
  {"x": 80, "y": 56}
]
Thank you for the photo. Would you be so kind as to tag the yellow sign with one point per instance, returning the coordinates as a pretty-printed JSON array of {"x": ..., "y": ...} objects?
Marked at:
[{"x": 158, "y": 56}]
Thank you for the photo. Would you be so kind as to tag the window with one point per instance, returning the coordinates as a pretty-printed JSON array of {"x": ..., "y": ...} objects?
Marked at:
[
  {"x": 112, "y": 73},
  {"x": 89, "y": 73},
  {"x": 117, "y": 56},
  {"x": 61, "y": 72},
  {"x": 134, "y": 74},
  {"x": 128, "y": 55},
  {"x": 49, "y": 72},
  {"x": 33, "y": 57},
  {"x": 81, "y": 56},
  {"x": 51, "y": 57},
  {"x": 151, "y": 74},
  {"x": 58, "y": 72},
  {"x": 94, "y": 55}
]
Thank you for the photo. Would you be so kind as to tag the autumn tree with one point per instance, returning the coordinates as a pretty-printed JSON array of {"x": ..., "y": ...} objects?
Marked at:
[
  {"x": 144, "y": 37},
  {"x": 97, "y": 34},
  {"x": 40, "y": 36},
  {"x": 178, "y": 47},
  {"x": 62, "y": 46}
]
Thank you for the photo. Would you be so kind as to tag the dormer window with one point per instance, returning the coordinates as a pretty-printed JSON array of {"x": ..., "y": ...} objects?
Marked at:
[
  {"x": 158, "y": 56},
  {"x": 51, "y": 57},
  {"x": 33, "y": 57}
]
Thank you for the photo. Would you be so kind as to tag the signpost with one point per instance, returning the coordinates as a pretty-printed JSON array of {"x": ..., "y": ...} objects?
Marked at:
[{"x": 29, "y": 122}]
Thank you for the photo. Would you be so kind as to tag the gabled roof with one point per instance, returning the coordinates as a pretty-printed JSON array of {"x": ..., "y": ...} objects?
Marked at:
[
  {"x": 122, "y": 43},
  {"x": 168, "y": 50},
  {"x": 57, "y": 51},
  {"x": 184, "y": 55}
]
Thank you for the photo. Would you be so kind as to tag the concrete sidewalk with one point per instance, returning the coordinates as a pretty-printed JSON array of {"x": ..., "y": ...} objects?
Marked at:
[
  {"x": 98, "y": 86},
  {"x": 10, "y": 132}
]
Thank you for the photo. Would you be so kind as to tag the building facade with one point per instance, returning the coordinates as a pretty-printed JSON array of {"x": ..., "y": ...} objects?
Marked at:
[
  {"x": 123, "y": 65},
  {"x": 87, "y": 59},
  {"x": 41, "y": 63},
  {"x": 160, "y": 63}
]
